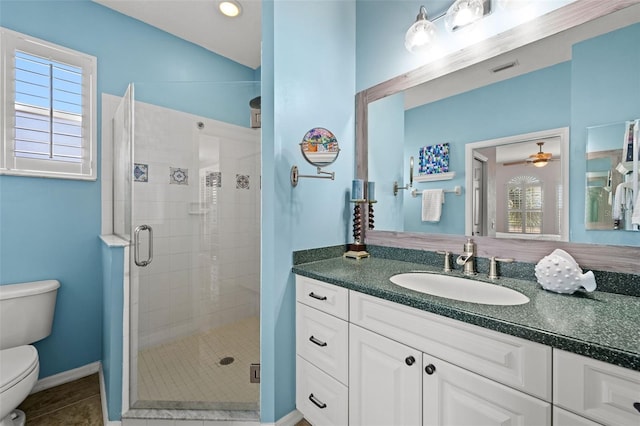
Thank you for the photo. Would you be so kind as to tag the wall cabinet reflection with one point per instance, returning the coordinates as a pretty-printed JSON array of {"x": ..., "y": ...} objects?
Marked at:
[{"x": 611, "y": 194}]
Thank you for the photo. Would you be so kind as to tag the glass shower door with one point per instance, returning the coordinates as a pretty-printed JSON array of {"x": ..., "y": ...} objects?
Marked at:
[{"x": 194, "y": 306}]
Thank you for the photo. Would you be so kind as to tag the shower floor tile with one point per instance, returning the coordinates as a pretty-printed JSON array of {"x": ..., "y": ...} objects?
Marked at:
[{"x": 187, "y": 373}]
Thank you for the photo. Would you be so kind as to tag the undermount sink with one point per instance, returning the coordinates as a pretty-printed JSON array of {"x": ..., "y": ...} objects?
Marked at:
[{"x": 459, "y": 288}]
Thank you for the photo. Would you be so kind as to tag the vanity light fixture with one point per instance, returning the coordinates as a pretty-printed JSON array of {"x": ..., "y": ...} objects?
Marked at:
[
  {"x": 421, "y": 34},
  {"x": 230, "y": 8}
]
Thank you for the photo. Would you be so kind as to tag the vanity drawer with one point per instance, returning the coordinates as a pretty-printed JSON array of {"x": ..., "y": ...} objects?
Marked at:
[
  {"x": 600, "y": 391},
  {"x": 320, "y": 398},
  {"x": 515, "y": 362},
  {"x": 328, "y": 298},
  {"x": 323, "y": 340},
  {"x": 566, "y": 418}
]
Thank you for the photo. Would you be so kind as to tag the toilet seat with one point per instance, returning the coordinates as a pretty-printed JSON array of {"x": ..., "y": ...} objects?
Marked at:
[{"x": 17, "y": 363}]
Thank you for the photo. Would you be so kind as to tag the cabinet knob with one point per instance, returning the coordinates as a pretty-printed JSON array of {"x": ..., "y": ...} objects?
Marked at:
[
  {"x": 430, "y": 369},
  {"x": 409, "y": 360}
]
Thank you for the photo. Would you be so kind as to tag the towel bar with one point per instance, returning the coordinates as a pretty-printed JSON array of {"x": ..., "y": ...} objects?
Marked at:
[{"x": 456, "y": 190}]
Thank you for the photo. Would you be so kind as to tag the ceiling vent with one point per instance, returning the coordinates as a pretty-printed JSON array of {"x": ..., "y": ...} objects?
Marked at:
[{"x": 504, "y": 67}]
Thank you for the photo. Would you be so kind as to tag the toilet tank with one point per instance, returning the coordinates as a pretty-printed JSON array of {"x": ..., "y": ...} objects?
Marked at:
[{"x": 26, "y": 312}]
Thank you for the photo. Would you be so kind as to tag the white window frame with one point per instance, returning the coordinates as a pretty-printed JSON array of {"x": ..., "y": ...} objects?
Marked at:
[{"x": 10, "y": 41}]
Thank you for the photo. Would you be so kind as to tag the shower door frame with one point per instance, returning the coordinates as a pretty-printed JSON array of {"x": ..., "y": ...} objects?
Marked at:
[{"x": 131, "y": 344}]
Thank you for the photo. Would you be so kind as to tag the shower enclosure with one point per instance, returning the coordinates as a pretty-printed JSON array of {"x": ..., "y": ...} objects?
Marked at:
[{"x": 187, "y": 196}]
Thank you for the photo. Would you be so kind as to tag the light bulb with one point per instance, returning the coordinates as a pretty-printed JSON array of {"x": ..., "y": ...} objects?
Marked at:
[
  {"x": 513, "y": 4},
  {"x": 230, "y": 8},
  {"x": 463, "y": 12},
  {"x": 421, "y": 35}
]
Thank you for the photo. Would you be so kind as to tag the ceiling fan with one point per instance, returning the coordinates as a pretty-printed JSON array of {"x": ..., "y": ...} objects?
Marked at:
[{"x": 539, "y": 159}]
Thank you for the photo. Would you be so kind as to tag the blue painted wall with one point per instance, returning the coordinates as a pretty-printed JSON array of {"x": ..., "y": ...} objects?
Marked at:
[
  {"x": 386, "y": 135},
  {"x": 535, "y": 101},
  {"x": 48, "y": 230},
  {"x": 49, "y": 227},
  {"x": 112, "y": 336},
  {"x": 308, "y": 72}
]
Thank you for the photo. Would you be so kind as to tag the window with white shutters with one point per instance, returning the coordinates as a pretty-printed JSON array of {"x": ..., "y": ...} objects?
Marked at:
[
  {"x": 524, "y": 205},
  {"x": 49, "y": 109}
]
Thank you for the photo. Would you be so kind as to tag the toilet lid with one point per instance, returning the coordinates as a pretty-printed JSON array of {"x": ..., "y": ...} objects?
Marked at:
[{"x": 16, "y": 364}]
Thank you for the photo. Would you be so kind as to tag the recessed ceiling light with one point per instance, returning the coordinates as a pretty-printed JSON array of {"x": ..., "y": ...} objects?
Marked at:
[{"x": 230, "y": 8}]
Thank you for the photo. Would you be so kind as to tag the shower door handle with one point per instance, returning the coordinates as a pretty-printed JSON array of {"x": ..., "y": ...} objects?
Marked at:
[{"x": 136, "y": 245}]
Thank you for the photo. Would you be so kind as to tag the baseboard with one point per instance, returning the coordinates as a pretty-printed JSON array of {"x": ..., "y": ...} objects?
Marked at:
[
  {"x": 103, "y": 401},
  {"x": 290, "y": 419},
  {"x": 66, "y": 376}
]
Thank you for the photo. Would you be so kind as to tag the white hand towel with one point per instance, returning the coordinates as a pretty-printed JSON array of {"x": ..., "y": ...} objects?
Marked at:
[
  {"x": 618, "y": 202},
  {"x": 432, "y": 201}
]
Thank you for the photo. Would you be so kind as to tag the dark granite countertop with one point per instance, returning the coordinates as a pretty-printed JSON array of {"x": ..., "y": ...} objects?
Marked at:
[{"x": 600, "y": 325}]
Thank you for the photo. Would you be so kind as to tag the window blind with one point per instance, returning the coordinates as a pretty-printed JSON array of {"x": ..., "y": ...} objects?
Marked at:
[{"x": 48, "y": 109}]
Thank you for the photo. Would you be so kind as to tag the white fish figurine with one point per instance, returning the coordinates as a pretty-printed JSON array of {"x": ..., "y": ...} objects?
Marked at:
[{"x": 560, "y": 273}]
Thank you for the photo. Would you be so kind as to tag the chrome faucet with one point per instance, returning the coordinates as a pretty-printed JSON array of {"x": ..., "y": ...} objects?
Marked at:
[{"x": 467, "y": 258}]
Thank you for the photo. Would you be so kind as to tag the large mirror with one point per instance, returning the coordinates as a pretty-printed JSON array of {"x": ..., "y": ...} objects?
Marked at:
[{"x": 502, "y": 112}]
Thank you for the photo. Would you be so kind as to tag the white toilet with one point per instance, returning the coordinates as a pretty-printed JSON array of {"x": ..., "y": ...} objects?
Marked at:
[{"x": 26, "y": 316}]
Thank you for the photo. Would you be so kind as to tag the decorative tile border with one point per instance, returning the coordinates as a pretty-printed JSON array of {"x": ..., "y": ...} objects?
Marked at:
[
  {"x": 178, "y": 176},
  {"x": 242, "y": 181},
  {"x": 140, "y": 172},
  {"x": 213, "y": 179}
]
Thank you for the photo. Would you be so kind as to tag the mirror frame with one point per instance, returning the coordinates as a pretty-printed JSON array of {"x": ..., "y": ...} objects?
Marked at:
[{"x": 603, "y": 257}]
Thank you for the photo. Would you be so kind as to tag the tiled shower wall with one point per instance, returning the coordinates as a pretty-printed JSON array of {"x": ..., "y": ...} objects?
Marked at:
[{"x": 197, "y": 184}]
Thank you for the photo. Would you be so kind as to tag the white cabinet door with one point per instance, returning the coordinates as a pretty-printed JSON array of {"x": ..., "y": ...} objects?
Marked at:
[
  {"x": 454, "y": 396},
  {"x": 385, "y": 381}
]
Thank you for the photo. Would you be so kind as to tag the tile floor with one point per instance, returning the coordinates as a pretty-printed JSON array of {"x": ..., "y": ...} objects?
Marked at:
[
  {"x": 188, "y": 373},
  {"x": 75, "y": 403}
]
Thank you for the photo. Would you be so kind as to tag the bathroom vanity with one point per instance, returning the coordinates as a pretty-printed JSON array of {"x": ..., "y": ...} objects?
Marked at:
[{"x": 373, "y": 353}]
